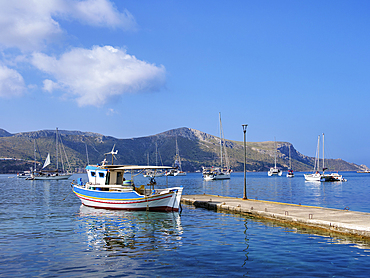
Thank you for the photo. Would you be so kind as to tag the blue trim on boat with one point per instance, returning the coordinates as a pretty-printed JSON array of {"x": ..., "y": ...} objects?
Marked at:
[
  {"x": 89, "y": 167},
  {"x": 107, "y": 194}
]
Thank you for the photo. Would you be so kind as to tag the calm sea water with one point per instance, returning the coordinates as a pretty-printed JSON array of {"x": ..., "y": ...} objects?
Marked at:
[{"x": 45, "y": 232}]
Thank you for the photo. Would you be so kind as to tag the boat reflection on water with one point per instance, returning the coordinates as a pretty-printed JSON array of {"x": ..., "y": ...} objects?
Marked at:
[{"x": 131, "y": 233}]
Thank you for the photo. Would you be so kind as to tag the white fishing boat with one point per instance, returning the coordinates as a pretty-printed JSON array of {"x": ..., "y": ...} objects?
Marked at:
[
  {"x": 107, "y": 188},
  {"x": 223, "y": 172},
  {"x": 55, "y": 174},
  {"x": 315, "y": 176},
  {"x": 274, "y": 171},
  {"x": 290, "y": 173}
]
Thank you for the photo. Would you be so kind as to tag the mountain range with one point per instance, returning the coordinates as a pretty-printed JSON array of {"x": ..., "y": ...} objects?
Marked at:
[{"x": 196, "y": 149}]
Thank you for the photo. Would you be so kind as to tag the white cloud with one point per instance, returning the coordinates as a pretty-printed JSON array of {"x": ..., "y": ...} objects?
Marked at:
[
  {"x": 95, "y": 76},
  {"x": 102, "y": 13},
  {"x": 50, "y": 86},
  {"x": 30, "y": 24},
  {"x": 27, "y": 24},
  {"x": 11, "y": 83}
]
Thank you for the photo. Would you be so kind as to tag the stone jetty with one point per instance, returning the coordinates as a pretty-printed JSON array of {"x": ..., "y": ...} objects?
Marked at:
[{"x": 344, "y": 221}]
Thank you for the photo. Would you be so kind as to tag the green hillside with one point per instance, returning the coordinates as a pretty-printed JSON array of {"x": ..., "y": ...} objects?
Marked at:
[{"x": 196, "y": 149}]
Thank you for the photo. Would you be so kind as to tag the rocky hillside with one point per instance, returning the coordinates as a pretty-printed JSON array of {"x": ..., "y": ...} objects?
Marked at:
[{"x": 196, "y": 149}]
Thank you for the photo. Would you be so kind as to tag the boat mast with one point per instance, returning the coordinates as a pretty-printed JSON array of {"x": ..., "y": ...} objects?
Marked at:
[
  {"x": 317, "y": 158},
  {"x": 323, "y": 151},
  {"x": 275, "y": 151},
  {"x": 87, "y": 155},
  {"x": 156, "y": 154},
  {"x": 178, "y": 154},
  {"x": 220, "y": 138},
  {"x": 34, "y": 147},
  {"x": 56, "y": 139}
]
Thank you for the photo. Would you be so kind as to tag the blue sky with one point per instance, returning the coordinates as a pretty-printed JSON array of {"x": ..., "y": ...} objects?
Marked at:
[{"x": 289, "y": 69}]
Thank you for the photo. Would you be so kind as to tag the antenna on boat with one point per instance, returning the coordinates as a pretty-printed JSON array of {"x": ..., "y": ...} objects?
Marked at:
[{"x": 112, "y": 152}]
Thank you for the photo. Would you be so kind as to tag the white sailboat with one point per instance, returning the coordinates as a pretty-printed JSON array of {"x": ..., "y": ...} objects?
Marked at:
[
  {"x": 52, "y": 174},
  {"x": 222, "y": 172},
  {"x": 274, "y": 170},
  {"x": 324, "y": 176},
  {"x": 316, "y": 176}
]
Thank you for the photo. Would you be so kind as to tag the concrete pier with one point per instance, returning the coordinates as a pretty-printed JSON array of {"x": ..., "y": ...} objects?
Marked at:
[{"x": 345, "y": 222}]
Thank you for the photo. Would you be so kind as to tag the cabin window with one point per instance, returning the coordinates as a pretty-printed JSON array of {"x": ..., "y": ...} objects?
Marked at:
[
  {"x": 93, "y": 174},
  {"x": 101, "y": 175}
]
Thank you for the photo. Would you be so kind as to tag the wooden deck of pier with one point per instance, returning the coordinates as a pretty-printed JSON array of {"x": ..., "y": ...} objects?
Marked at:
[{"x": 344, "y": 221}]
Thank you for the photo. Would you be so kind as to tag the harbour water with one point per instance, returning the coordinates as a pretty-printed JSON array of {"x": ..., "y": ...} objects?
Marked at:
[{"x": 45, "y": 232}]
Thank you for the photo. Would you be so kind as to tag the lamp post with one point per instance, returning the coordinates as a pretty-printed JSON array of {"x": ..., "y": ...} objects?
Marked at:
[{"x": 245, "y": 162}]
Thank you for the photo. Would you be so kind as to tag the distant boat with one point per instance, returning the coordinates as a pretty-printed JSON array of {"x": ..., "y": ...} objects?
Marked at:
[
  {"x": 178, "y": 171},
  {"x": 56, "y": 174},
  {"x": 107, "y": 188},
  {"x": 28, "y": 174},
  {"x": 207, "y": 173},
  {"x": 154, "y": 173},
  {"x": 331, "y": 176},
  {"x": 223, "y": 172},
  {"x": 316, "y": 176},
  {"x": 273, "y": 170},
  {"x": 24, "y": 175},
  {"x": 324, "y": 176},
  {"x": 290, "y": 173},
  {"x": 364, "y": 171}
]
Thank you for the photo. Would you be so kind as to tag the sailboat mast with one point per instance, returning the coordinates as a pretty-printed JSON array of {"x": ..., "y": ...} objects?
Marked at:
[
  {"x": 317, "y": 158},
  {"x": 56, "y": 139},
  {"x": 220, "y": 138},
  {"x": 178, "y": 154},
  {"x": 275, "y": 151},
  {"x": 87, "y": 155},
  {"x": 323, "y": 152},
  {"x": 156, "y": 154},
  {"x": 34, "y": 147}
]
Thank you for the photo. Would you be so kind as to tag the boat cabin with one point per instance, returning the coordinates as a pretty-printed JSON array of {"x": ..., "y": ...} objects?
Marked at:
[{"x": 102, "y": 176}]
